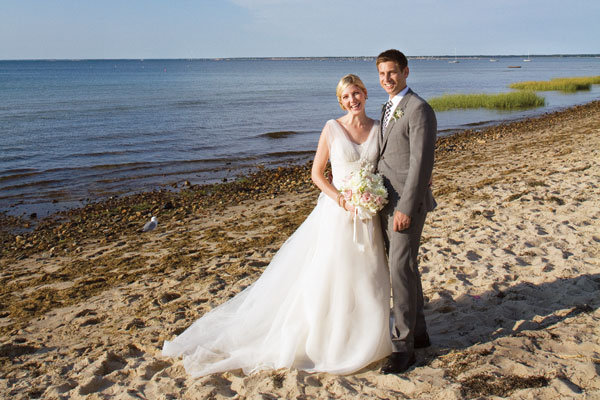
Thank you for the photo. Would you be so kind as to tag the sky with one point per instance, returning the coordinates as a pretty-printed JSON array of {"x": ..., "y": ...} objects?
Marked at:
[{"x": 79, "y": 29}]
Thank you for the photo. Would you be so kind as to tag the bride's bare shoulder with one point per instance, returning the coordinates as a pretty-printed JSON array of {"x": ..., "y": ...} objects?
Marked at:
[{"x": 330, "y": 122}]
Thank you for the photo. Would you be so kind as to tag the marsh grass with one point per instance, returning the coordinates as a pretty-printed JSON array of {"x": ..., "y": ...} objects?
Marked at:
[
  {"x": 501, "y": 101},
  {"x": 568, "y": 85}
]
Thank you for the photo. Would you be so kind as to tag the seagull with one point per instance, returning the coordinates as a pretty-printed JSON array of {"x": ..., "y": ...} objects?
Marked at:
[{"x": 150, "y": 225}]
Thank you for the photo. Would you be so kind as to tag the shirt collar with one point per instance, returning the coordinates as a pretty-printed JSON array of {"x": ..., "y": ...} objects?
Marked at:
[{"x": 396, "y": 99}]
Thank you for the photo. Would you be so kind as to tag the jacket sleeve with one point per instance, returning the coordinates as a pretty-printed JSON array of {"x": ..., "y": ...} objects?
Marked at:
[{"x": 422, "y": 134}]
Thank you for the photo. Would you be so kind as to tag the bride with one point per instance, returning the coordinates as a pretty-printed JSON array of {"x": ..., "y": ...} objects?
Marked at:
[{"x": 323, "y": 302}]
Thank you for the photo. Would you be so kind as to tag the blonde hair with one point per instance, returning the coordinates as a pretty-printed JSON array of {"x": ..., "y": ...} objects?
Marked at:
[{"x": 346, "y": 81}]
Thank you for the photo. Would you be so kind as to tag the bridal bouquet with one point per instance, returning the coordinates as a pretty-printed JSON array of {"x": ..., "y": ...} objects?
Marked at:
[{"x": 364, "y": 189}]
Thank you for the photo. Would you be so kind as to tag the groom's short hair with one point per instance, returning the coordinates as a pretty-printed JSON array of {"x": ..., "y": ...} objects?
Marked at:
[{"x": 393, "y": 55}]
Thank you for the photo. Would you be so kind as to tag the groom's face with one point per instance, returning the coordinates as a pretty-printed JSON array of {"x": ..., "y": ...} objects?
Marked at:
[{"x": 391, "y": 78}]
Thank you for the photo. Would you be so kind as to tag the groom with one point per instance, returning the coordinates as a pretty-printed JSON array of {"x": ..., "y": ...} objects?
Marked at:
[{"x": 407, "y": 141}]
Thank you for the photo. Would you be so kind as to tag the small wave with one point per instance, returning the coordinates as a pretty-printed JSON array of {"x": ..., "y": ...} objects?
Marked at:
[
  {"x": 278, "y": 134},
  {"x": 32, "y": 116},
  {"x": 190, "y": 103},
  {"x": 103, "y": 153},
  {"x": 479, "y": 123},
  {"x": 448, "y": 130},
  {"x": 18, "y": 174},
  {"x": 280, "y": 154},
  {"x": 19, "y": 170},
  {"x": 109, "y": 109},
  {"x": 12, "y": 158},
  {"x": 35, "y": 195},
  {"x": 163, "y": 174},
  {"x": 45, "y": 183}
]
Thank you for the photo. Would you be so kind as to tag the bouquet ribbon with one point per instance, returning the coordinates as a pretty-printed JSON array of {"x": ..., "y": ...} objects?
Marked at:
[{"x": 363, "y": 219}]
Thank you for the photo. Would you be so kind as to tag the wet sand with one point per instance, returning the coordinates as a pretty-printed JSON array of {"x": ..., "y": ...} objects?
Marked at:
[{"x": 510, "y": 267}]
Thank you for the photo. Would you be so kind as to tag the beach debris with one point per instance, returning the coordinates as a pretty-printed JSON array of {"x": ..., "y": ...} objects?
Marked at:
[{"x": 150, "y": 225}]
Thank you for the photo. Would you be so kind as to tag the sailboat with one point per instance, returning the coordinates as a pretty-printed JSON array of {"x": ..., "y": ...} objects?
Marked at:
[
  {"x": 455, "y": 61},
  {"x": 527, "y": 59}
]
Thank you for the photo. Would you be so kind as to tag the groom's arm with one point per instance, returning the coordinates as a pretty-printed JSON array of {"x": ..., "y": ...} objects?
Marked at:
[{"x": 422, "y": 133}]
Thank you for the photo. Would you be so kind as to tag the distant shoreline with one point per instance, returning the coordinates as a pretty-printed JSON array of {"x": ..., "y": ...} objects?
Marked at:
[{"x": 317, "y": 58}]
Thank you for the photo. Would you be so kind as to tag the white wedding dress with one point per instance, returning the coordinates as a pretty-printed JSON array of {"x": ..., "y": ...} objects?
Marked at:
[{"x": 322, "y": 304}]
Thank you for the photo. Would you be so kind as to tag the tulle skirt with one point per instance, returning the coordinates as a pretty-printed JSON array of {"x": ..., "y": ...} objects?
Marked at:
[{"x": 322, "y": 304}]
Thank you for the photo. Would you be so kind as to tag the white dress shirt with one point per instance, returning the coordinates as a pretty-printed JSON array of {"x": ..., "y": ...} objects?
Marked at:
[{"x": 397, "y": 98}]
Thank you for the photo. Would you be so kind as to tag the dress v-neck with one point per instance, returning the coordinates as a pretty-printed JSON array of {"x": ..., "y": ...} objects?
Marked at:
[{"x": 348, "y": 135}]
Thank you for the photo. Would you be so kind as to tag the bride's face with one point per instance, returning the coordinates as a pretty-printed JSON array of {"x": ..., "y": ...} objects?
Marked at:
[{"x": 353, "y": 99}]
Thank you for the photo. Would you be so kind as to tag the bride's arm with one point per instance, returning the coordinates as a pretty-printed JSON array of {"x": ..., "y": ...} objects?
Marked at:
[{"x": 318, "y": 170}]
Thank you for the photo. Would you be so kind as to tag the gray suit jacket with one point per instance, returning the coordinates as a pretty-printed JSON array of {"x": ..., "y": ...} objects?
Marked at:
[{"x": 406, "y": 156}]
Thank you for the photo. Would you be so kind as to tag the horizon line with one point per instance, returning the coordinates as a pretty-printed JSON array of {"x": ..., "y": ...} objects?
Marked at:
[{"x": 440, "y": 56}]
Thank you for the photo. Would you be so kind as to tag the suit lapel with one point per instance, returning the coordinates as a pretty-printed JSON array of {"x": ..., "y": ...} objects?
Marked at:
[{"x": 390, "y": 126}]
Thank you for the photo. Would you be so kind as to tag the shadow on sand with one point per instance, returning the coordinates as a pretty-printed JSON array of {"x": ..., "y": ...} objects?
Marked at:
[{"x": 457, "y": 324}]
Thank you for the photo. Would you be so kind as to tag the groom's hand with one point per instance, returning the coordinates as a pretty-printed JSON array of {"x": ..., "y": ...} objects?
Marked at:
[{"x": 401, "y": 221}]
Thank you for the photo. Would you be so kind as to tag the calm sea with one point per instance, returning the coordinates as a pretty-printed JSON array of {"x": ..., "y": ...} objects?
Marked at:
[{"x": 73, "y": 131}]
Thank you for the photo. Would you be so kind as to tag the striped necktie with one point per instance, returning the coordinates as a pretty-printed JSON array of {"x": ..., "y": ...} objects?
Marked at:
[{"x": 386, "y": 114}]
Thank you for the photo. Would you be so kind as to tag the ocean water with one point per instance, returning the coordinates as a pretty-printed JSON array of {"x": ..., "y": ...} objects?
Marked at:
[{"x": 78, "y": 130}]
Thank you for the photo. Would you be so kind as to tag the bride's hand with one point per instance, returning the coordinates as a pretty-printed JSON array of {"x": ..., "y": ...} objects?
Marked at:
[
  {"x": 348, "y": 207},
  {"x": 344, "y": 204}
]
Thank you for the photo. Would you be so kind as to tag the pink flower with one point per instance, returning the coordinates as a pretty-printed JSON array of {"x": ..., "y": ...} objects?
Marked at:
[
  {"x": 366, "y": 197},
  {"x": 348, "y": 194}
]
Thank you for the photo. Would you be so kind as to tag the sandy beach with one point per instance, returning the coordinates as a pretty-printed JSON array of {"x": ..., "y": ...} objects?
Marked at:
[{"x": 510, "y": 264}]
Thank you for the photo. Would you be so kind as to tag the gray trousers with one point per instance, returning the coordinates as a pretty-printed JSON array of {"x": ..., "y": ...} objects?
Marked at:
[{"x": 408, "y": 320}]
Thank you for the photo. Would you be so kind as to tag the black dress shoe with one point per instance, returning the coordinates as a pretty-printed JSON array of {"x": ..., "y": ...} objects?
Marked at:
[
  {"x": 397, "y": 363},
  {"x": 422, "y": 342}
]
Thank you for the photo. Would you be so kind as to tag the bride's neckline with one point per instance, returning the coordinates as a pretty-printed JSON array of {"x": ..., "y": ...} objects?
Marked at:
[{"x": 347, "y": 134}]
